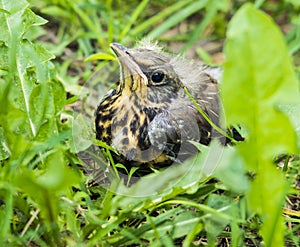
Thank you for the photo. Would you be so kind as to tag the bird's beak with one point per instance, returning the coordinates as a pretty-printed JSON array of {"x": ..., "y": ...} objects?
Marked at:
[{"x": 131, "y": 73}]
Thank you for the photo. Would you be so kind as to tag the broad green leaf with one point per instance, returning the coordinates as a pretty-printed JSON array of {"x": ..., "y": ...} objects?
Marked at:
[
  {"x": 31, "y": 19},
  {"x": 258, "y": 77},
  {"x": 252, "y": 76},
  {"x": 18, "y": 17},
  {"x": 45, "y": 187},
  {"x": 293, "y": 112},
  {"x": 231, "y": 171},
  {"x": 26, "y": 61},
  {"x": 11, "y": 18},
  {"x": 32, "y": 69},
  {"x": 58, "y": 94},
  {"x": 46, "y": 101},
  {"x": 266, "y": 197},
  {"x": 33, "y": 56},
  {"x": 58, "y": 177}
]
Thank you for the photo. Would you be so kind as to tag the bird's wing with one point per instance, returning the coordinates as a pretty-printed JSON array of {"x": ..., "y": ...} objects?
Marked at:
[{"x": 169, "y": 132}]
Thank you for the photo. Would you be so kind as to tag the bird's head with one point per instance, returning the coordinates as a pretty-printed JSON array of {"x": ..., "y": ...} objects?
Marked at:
[{"x": 148, "y": 70}]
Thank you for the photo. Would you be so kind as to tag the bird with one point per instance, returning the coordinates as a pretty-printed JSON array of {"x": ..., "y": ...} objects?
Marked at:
[{"x": 148, "y": 118}]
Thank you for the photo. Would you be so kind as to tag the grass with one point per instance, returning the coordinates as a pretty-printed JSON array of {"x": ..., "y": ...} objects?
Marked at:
[{"x": 53, "y": 71}]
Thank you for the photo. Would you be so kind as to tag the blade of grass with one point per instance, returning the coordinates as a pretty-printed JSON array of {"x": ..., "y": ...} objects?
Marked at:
[
  {"x": 200, "y": 28},
  {"x": 86, "y": 19},
  {"x": 258, "y": 3},
  {"x": 201, "y": 207},
  {"x": 159, "y": 16},
  {"x": 176, "y": 18},
  {"x": 134, "y": 17},
  {"x": 110, "y": 24}
]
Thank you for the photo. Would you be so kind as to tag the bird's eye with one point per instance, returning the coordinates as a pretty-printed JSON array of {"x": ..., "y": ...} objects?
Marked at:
[{"x": 158, "y": 76}]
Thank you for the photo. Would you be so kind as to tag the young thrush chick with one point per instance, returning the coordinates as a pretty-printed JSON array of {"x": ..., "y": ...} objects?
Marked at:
[{"x": 148, "y": 118}]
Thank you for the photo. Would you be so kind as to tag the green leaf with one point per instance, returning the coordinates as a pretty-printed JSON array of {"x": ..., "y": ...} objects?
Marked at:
[
  {"x": 100, "y": 56},
  {"x": 26, "y": 61},
  {"x": 46, "y": 101},
  {"x": 45, "y": 188},
  {"x": 18, "y": 17},
  {"x": 262, "y": 81},
  {"x": 231, "y": 171},
  {"x": 258, "y": 76},
  {"x": 32, "y": 55},
  {"x": 293, "y": 112},
  {"x": 3, "y": 56},
  {"x": 11, "y": 18}
]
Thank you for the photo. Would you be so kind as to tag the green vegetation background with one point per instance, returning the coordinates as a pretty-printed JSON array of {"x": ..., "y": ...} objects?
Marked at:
[{"x": 55, "y": 65}]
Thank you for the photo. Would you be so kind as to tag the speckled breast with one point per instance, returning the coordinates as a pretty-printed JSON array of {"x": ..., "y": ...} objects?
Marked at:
[{"x": 122, "y": 122}]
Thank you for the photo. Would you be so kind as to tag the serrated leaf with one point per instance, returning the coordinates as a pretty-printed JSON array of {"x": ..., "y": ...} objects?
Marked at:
[
  {"x": 46, "y": 100},
  {"x": 258, "y": 76},
  {"x": 16, "y": 19},
  {"x": 32, "y": 55},
  {"x": 26, "y": 61},
  {"x": 14, "y": 7}
]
